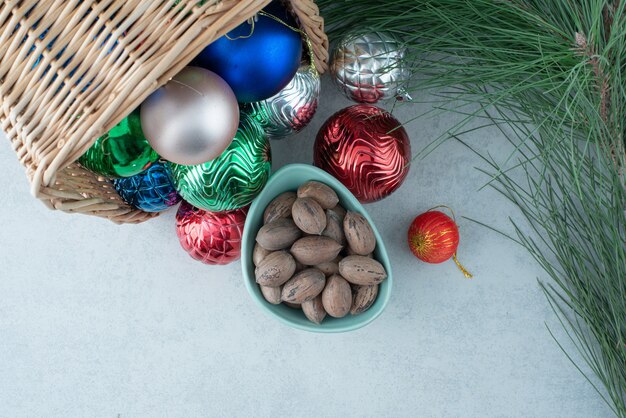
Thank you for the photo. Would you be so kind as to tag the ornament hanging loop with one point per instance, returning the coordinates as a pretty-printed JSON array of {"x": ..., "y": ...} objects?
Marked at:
[
  {"x": 444, "y": 207},
  {"x": 402, "y": 95},
  {"x": 250, "y": 22},
  {"x": 466, "y": 273}
]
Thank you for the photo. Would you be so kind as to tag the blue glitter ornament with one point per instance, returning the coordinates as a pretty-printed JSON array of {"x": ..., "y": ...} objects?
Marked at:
[
  {"x": 150, "y": 191},
  {"x": 257, "y": 59}
]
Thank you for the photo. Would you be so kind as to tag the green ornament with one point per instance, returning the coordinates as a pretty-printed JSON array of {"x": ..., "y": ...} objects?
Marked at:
[
  {"x": 233, "y": 179},
  {"x": 123, "y": 152}
]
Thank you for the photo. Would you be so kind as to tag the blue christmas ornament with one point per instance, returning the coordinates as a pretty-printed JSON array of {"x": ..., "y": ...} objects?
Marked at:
[
  {"x": 258, "y": 58},
  {"x": 150, "y": 191}
]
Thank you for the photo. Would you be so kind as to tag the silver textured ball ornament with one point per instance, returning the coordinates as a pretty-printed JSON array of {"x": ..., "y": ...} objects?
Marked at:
[
  {"x": 369, "y": 67},
  {"x": 292, "y": 108},
  {"x": 192, "y": 119}
]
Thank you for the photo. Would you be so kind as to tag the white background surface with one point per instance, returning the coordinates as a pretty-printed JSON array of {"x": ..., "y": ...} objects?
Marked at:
[{"x": 100, "y": 320}]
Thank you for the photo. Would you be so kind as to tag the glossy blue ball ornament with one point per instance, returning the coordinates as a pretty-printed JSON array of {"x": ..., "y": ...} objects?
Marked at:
[
  {"x": 150, "y": 191},
  {"x": 256, "y": 59}
]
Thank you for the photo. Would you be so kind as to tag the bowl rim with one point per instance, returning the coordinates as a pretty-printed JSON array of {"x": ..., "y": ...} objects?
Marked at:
[{"x": 248, "y": 241}]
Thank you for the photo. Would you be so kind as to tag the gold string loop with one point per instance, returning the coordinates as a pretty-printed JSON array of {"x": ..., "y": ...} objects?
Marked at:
[
  {"x": 250, "y": 22},
  {"x": 445, "y": 207},
  {"x": 466, "y": 273}
]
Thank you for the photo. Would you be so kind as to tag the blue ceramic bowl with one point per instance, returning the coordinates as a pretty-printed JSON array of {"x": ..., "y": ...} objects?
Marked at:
[{"x": 289, "y": 178}]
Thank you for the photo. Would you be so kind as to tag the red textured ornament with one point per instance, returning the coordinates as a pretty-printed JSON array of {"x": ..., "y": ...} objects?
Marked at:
[
  {"x": 366, "y": 149},
  {"x": 434, "y": 238},
  {"x": 211, "y": 237}
]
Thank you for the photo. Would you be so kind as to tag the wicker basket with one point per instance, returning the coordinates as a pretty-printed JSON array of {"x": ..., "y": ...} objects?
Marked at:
[{"x": 106, "y": 58}]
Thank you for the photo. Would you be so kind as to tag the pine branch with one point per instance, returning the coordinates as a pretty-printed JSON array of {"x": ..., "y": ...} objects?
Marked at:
[{"x": 553, "y": 71}]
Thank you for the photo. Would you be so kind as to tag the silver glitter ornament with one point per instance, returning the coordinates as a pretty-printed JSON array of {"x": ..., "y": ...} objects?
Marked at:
[
  {"x": 292, "y": 108},
  {"x": 369, "y": 67}
]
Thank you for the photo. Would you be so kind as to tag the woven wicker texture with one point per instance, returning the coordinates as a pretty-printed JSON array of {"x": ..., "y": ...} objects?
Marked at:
[{"x": 71, "y": 69}]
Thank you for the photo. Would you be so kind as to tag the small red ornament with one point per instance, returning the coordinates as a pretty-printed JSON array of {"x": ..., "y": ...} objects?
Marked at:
[
  {"x": 366, "y": 149},
  {"x": 434, "y": 238},
  {"x": 211, "y": 237}
]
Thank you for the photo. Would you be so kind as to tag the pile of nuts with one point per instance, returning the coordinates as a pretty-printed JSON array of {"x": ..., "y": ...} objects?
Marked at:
[{"x": 312, "y": 254}]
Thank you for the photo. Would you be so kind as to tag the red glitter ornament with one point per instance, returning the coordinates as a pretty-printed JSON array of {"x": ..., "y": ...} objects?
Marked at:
[
  {"x": 211, "y": 237},
  {"x": 366, "y": 149},
  {"x": 434, "y": 238}
]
